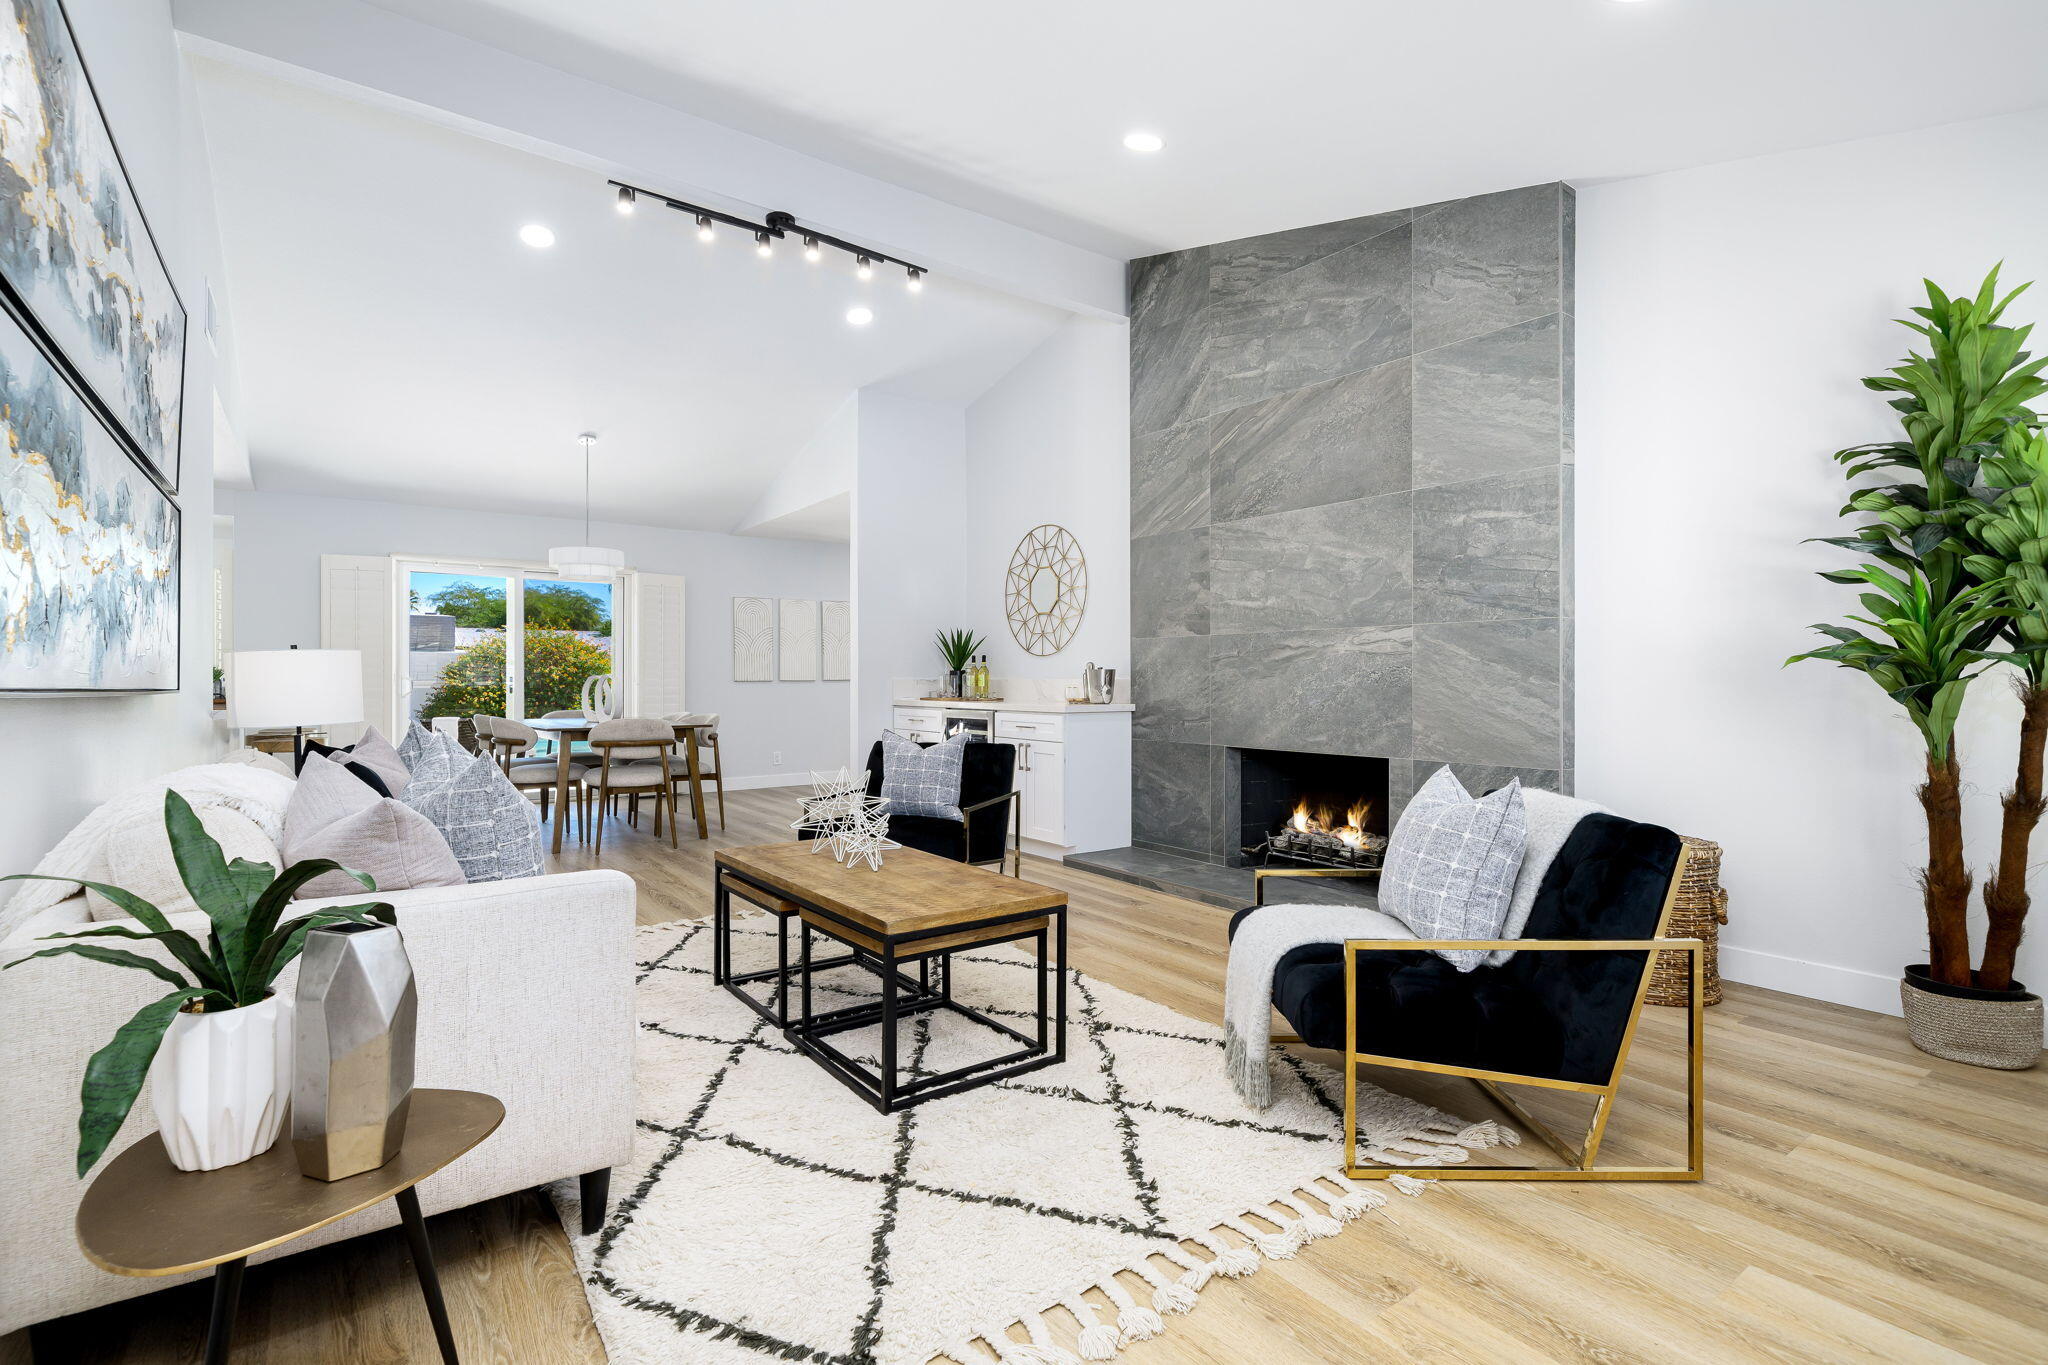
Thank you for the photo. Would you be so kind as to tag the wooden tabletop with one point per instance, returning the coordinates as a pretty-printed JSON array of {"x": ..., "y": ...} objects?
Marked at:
[
  {"x": 144, "y": 1216},
  {"x": 569, "y": 724},
  {"x": 912, "y": 890}
]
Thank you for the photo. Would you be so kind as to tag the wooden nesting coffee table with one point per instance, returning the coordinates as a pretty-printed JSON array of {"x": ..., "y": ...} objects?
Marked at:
[{"x": 917, "y": 909}]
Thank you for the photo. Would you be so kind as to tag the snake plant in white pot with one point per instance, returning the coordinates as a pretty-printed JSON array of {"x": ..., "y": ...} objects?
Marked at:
[{"x": 219, "y": 1038}]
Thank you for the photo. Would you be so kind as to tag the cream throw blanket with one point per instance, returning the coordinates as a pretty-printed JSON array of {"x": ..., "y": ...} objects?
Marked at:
[
  {"x": 248, "y": 790},
  {"x": 1262, "y": 940}
]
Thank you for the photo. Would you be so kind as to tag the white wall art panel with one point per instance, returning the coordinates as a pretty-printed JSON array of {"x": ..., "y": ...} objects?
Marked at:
[
  {"x": 836, "y": 641},
  {"x": 753, "y": 639},
  {"x": 798, "y": 632}
]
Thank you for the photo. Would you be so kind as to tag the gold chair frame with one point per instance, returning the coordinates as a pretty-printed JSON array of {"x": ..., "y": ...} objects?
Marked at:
[{"x": 1581, "y": 1158}]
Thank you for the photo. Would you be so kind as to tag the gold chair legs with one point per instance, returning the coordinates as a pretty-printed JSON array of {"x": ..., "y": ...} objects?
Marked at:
[{"x": 1581, "y": 1160}]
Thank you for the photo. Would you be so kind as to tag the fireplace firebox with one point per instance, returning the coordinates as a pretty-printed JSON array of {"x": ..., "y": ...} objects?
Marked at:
[{"x": 1308, "y": 809}]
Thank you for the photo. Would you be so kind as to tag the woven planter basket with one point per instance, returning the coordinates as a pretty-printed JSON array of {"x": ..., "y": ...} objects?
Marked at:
[
  {"x": 1699, "y": 911},
  {"x": 2001, "y": 1031}
]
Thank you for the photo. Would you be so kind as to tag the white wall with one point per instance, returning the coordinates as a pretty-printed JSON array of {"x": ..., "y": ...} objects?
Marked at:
[
  {"x": 911, "y": 529},
  {"x": 70, "y": 754},
  {"x": 280, "y": 537},
  {"x": 1050, "y": 442},
  {"x": 1725, "y": 316}
]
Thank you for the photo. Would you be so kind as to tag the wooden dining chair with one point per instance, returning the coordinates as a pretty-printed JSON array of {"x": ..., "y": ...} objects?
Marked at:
[
  {"x": 633, "y": 759},
  {"x": 512, "y": 742}
]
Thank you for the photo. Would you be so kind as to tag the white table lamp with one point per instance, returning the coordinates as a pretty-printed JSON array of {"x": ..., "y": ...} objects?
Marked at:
[{"x": 295, "y": 687}]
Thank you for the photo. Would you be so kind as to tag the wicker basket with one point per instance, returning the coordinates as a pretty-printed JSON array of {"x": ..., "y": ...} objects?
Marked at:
[{"x": 1698, "y": 911}]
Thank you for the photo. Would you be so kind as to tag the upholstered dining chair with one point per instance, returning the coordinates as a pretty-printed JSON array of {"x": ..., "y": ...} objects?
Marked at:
[
  {"x": 633, "y": 759},
  {"x": 1560, "y": 1014},
  {"x": 576, "y": 760},
  {"x": 708, "y": 766},
  {"x": 511, "y": 741}
]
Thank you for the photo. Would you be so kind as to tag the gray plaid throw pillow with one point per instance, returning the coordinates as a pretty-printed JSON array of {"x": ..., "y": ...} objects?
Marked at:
[
  {"x": 493, "y": 830},
  {"x": 1451, "y": 863},
  {"x": 921, "y": 780}
]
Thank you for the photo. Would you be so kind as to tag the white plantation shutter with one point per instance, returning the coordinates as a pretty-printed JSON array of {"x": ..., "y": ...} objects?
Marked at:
[
  {"x": 654, "y": 639},
  {"x": 358, "y": 611}
]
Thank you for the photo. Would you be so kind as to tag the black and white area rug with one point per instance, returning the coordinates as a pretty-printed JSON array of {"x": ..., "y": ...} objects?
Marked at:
[{"x": 769, "y": 1215}]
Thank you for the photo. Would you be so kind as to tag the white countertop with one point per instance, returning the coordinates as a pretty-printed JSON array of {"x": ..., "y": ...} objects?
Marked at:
[{"x": 1060, "y": 707}]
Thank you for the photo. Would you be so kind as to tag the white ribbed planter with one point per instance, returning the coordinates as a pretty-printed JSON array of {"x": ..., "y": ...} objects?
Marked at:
[{"x": 220, "y": 1082}]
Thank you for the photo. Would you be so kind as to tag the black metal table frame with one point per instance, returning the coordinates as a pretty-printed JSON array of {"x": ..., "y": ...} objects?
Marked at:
[
  {"x": 227, "y": 1287},
  {"x": 722, "y": 973},
  {"x": 883, "y": 1087}
]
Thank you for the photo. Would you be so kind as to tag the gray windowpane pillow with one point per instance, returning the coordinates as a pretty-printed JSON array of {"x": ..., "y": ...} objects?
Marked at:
[
  {"x": 1451, "y": 863},
  {"x": 493, "y": 830},
  {"x": 921, "y": 780}
]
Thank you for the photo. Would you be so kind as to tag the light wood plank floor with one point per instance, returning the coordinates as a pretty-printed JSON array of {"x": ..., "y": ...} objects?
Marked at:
[{"x": 1863, "y": 1202}]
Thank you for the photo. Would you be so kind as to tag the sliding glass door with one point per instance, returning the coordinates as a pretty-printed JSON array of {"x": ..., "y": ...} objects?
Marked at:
[{"x": 484, "y": 640}]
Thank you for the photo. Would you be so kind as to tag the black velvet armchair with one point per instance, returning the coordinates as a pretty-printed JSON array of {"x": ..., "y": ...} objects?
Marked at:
[
  {"x": 1560, "y": 1014},
  {"x": 988, "y": 804}
]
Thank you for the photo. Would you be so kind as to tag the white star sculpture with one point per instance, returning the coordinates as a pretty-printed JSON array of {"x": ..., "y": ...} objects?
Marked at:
[{"x": 846, "y": 822}]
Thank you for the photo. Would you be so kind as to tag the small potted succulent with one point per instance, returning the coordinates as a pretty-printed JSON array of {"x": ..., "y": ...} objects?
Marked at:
[
  {"x": 957, "y": 647},
  {"x": 220, "y": 1038}
]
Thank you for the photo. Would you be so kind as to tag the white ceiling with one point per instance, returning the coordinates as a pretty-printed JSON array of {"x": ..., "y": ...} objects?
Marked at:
[
  {"x": 1282, "y": 113},
  {"x": 396, "y": 340}
]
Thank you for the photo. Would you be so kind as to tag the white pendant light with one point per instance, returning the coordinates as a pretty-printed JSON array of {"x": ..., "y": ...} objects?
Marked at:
[{"x": 586, "y": 561}]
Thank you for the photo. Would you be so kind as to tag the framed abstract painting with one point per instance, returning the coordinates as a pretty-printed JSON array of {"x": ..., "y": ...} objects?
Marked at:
[
  {"x": 89, "y": 543},
  {"x": 77, "y": 258}
]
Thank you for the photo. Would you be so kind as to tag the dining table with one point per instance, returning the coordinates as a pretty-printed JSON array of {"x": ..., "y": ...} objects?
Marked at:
[{"x": 566, "y": 730}]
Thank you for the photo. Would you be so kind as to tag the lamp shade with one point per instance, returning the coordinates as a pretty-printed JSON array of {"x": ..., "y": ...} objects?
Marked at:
[
  {"x": 277, "y": 687},
  {"x": 586, "y": 561}
]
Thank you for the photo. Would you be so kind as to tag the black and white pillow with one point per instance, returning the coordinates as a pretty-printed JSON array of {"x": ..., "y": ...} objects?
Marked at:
[
  {"x": 493, "y": 830},
  {"x": 380, "y": 767},
  {"x": 922, "y": 780},
  {"x": 1451, "y": 863}
]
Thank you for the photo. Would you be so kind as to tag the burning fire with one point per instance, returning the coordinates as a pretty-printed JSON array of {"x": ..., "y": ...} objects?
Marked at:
[{"x": 1324, "y": 821}]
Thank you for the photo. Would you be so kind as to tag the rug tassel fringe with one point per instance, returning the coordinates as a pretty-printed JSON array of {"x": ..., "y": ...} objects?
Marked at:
[{"x": 1133, "y": 1321}]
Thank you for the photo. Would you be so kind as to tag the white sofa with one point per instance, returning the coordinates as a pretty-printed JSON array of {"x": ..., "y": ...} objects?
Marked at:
[{"x": 525, "y": 993}]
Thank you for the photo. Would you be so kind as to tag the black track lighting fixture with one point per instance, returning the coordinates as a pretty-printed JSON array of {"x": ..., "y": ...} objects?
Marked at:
[
  {"x": 913, "y": 279},
  {"x": 773, "y": 225}
]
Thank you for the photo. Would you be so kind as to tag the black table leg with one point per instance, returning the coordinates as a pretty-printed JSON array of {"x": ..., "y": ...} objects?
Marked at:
[
  {"x": 888, "y": 1025},
  {"x": 227, "y": 1295},
  {"x": 1060, "y": 993},
  {"x": 423, "y": 1266}
]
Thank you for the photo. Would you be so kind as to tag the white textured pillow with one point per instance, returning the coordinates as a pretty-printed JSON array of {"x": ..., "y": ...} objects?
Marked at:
[
  {"x": 492, "y": 828},
  {"x": 139, "y": 858},
  {"x": 1451, "y": 863},
  {"x": 1552, "y": 818},
  {"x": 256, "y": 758}
]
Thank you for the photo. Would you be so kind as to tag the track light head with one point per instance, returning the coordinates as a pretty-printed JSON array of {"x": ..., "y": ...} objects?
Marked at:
[
  {"x": 704, "y": 232},
  {"x": 625, "y": 199},
  {"x": 764, "y": 245},
  {"x": 811, "y": 251},
  {"x": 865, "y": 269},
  {"x": 915, "y": 279}
]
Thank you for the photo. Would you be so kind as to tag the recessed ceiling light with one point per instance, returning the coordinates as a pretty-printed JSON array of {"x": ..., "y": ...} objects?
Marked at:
[
  {"x": 860, "y": 317},
  {"x": 537, "y": 236},
  {"x": 1144, "y": 142}
]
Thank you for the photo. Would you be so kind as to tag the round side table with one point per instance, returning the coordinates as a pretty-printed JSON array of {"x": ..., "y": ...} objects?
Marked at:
[{"x": 144, "y": 1216}]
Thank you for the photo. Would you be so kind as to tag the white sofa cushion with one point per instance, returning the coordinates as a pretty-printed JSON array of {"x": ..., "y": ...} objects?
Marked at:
[
  {"x": 333, "y": 815},
  {"x": 139, "y": 857}
]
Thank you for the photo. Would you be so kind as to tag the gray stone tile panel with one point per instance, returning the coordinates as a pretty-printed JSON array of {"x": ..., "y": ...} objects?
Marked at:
[
  {"x": 1336, "y": 691},
  {"x": 1487, "y": 262},
  {"x": 1166, "y": 374},
  {"x": 1490, "y": 404},
  {"x": 1170, "y": 684},
  {"x": 1347, "y": 312},
  {"x": 1245, "y": 264},
  {"x": 1170, "y": 479},
  {"x": 1330, "y": 442},
  {"x": 1169, "y": 288},
  {"x": 1170, "y": 584},
  {"x": 1487, "y": 692},
  {"x": 1170, "y": 795},
  {"x": 1343, "y": 564},
  {"x": 1488, "y": 550}
]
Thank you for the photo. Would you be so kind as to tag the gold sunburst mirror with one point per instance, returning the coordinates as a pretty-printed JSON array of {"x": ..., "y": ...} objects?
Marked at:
[{"x": 1047, "y": 589}]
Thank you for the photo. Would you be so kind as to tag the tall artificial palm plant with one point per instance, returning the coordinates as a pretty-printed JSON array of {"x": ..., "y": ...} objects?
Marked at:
[{"x": 1942, "y": 602}]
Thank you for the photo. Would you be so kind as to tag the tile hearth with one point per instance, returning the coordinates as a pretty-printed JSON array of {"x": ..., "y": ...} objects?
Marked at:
[{"x": 1177, "y": 874}]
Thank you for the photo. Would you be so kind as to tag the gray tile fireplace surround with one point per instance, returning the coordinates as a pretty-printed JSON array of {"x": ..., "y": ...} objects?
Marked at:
[{"x": 1351, "y": 506}]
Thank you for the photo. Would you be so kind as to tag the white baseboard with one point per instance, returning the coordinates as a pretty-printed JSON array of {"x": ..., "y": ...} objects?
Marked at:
[
  {"x": 1815, "y": 980},
  {"x": 744, "y": 784}
]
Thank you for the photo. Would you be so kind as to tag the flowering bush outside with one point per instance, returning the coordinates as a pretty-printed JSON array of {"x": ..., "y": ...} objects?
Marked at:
[{"x": 557, "y": 662}]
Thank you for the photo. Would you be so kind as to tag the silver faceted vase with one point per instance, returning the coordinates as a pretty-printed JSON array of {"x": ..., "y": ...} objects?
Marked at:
[{"x": 354, "y": 1024}]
